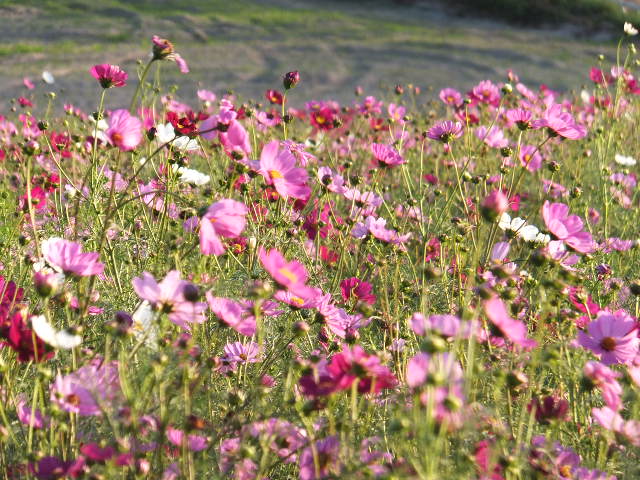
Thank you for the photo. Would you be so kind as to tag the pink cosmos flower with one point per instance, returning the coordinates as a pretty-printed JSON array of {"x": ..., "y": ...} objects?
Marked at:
[
  {"x": 612, "y": 336},
  {"x": 354, "y": 364},
  {"x": 530, "y": 158},
  {"x": 224, "y": 218},
  {"x": 109, "y": 75},
  {"x": 67, "y": 257},
  {"x": 396, "y": 112},
  {"x": 125, "y": 131},
  {"x": 88, "y": 390},
  {"x": 278, "y": 169},
  {"x": 289, "y": 275},
  {"x": 445, "y": 131},
  {"x": 237, "y": 352},
  {"x": 328, "y": 454},
  {"x": 163, "y": 50},
  {"x": 493, "y": 137},
  {"x": 486, "y": 92},
  {"x": 332, "y": 181},
  {"x": 168, "y": 297},
  {"x": 513, "y": 330},
  {"x": 520, "y": 117},
  {"x": 613, "y": 421},
  {"x": 451, "y": 97},
  {"x": 28, "y": 416},
  {"x": 605, "y": 380},
  {"x": 195, "y": 443},
  {"x": 567, "y": 228},
  {"x": 560, "y": 123},
  {"x": 386, "y": 156},
  {"x": 233, "y": 314},
  {"x": 377, "y": 228}
]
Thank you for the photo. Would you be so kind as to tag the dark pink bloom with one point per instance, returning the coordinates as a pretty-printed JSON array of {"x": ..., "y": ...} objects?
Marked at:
[
  {"x": 550, "y": 408},
  {"x": 513, "y": 330},
  {"x": 611, "y": 336},
  {"x": 278, "y": 167},
  {"x": 109, "y": 75},
  {"x": 96, "y": 453},
  {"x": 359, "y": 289},
  {"x": 354, "y": 364},
  {"x": 567, "y": 228},
  {"x": 560, "y": 123},
  {"x": 445, "y": 131},
  {"x": 225, "y": 218},
  {"x": 68, "y": 258},
  {"x": 125, "y": 131}
]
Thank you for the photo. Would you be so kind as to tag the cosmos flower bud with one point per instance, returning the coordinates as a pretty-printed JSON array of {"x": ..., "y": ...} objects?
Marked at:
[
  {"x": 291, "y": 80},
  {"x": 494, "y": 205},
  {"x": 47, "y": 284}
]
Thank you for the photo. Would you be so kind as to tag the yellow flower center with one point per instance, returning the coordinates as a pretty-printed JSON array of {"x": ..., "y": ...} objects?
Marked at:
[
  {"x": 288, "y": 274},
  {"x": 275, "y": 174}
]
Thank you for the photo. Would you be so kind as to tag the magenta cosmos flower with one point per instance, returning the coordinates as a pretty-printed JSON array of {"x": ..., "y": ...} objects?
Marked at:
[
  {"x": 278, "y": 167},
  {"x": 560, "y": 123},
  {"x": 505, "y": 326},
  {"x": 225, "y": 218},
  {"x": 289, "y": 275},
  {"x": 67, "y": 257},
  {"x": 386, "y": 156},
  {"x": 168, "y": 297},
  {"x": 451, "y": 97},
  {"x": 353, "y": 364},
  {"x": 611, "y": 336},
  {"x": 567, "y": 228},
  {"x": 445, "y": 131},
  {"x": 109, "y": 75},
  {"x": 125, "y": 130}
]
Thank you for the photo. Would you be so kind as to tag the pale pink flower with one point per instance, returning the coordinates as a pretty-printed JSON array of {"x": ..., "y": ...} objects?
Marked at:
[
  {"x": 278, "y": 169},
  {"x": 125, "y": 131},
  {"x": 68, "y": 258},
  {"x": 225, "y": 218}
]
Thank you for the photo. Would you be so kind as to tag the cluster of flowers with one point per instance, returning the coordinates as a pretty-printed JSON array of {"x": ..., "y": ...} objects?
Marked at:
[{"x": 192, "y": 292}]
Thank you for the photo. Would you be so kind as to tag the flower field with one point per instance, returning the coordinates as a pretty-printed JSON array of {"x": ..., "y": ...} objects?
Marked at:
[{"x": 398, "y": 288}]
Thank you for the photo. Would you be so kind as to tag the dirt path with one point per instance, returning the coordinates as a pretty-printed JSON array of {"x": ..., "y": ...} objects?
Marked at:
[{"x": 335, "y": 44}]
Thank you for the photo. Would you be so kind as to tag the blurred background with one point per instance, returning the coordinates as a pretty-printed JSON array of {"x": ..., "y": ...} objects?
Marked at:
[{"x": 246, "y": 45}]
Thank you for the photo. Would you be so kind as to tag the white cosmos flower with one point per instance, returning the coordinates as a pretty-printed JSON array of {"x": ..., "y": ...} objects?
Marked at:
[
  {"x": 624, "y": 160},
  {"x": 48, "y": 77},
  {"x": 629, "y": 29},
  {"x": 144, "y": 328},
  {"x": 189, "y": 175},
  {"x": 56, "y": 338},
  {"x": 166, "y": 133},
  {"x": 519, "y": 227},
  {"x": 542, "y": 238}
]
